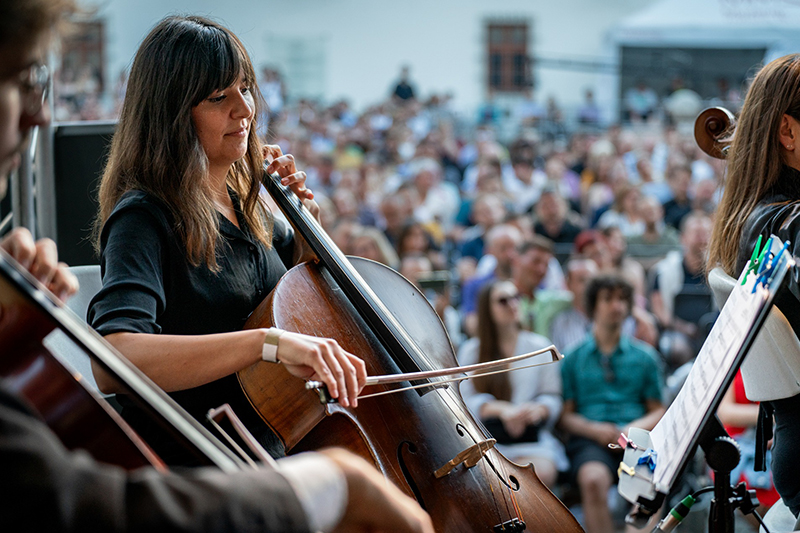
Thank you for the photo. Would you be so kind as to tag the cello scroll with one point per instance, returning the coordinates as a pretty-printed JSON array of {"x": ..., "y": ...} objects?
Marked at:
[{"x": 713, "y": 131}]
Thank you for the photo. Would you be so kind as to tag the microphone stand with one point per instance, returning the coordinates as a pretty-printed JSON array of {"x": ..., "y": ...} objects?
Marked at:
[{"x": 722, "y": 456}]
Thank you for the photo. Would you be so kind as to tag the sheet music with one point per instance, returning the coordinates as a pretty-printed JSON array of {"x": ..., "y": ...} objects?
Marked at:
[{"x": 672, "y": 436}]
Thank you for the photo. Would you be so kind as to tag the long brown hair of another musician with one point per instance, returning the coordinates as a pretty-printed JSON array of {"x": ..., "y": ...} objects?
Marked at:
[{"x": 756, "y": 157}]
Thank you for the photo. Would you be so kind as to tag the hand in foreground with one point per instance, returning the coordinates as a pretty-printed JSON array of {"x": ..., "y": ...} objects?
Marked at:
[
  {"x": 373, "y": 503},
  {"x": 323, "y": 360},
  {"x": 41, "y": 259}
]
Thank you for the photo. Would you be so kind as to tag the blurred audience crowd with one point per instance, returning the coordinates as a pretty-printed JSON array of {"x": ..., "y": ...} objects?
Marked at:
[{"x": 504, "y": 238}]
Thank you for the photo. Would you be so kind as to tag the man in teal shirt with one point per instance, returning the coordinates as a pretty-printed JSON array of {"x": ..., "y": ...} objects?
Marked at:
[{"x": 610, "y": 383}]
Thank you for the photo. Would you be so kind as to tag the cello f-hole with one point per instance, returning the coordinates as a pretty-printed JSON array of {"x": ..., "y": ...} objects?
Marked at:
[{"x": 412, "y": 449}]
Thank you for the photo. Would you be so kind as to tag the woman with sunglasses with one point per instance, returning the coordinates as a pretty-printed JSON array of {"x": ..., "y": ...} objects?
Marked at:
[
  {"x": 188, "y": 245},
  {"x": 520, "y": 407}
]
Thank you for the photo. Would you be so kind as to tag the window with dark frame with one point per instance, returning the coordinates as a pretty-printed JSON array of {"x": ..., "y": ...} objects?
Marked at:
[
  {"x": 509, "y": 62},
  {"x": 83, "y": 47},
  {"x": 79, "y": 82}
]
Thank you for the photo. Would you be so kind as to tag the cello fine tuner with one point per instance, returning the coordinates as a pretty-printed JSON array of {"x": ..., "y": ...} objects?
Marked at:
[{"x": 515, "y": 525}]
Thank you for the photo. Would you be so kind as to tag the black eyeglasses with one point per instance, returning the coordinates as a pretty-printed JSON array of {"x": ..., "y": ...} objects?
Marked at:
[
  {"x": 34, "y": 81},
  {"x": 505, "y": 300},
  {"x": 608, "y": 370}
]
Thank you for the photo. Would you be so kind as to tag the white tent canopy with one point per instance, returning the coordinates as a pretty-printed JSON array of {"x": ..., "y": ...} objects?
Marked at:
[{"x": 770, "y": 24}]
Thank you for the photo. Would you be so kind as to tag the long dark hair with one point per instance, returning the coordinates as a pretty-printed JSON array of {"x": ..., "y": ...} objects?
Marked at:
[
  {"x": 156, "y": 149},
  {"x": 498, "y": 385},
  {"x": 755, "y": 159}
]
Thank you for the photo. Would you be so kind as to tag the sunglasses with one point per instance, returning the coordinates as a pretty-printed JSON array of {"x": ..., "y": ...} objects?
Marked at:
[{"x": 506, "y": 300}]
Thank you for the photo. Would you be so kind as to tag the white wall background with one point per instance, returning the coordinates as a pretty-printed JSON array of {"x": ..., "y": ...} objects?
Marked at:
[{"x": 361, "y": 44}]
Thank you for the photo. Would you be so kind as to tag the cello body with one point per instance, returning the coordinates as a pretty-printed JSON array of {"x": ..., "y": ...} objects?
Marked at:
[{"x": 409, "y": 435}]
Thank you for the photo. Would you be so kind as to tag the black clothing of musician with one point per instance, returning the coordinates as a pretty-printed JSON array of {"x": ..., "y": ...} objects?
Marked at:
[
  {"x": 778, "y": 213},
  {"x": 48, "y": 488},
  {"x": 149, "y": 286}
]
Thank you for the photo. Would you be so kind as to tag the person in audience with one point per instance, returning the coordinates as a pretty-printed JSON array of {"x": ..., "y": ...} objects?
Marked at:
[
  {"x": 396, "y": 212},
  {"x": 538, "y": 301},
  {"x": 611, "y": 383},
  {"x": 529, "y": 183},
  {"x": 589, "y": 113},
  {"x": 523, "y": 405},
  {"x": 418, "y": 267},
  {"x": 679, "y": 179},
  {"x": 624, "y": 213},
  {"x": 438, "y": 200},
  {"x": 641, "y": 101},
  {"x": 371, "y": 243},
  {"x": 486, "y": 212},
  {"x": 683, "y": 273},
  {"x": 592, "y": 244},
  {"x": 621, "y": 264},
  {"x": 656, "y": 233},
  {"x": 502, "y": 242},
  {"x": 414, "y": 239},
  {"x": 554, "y": 219},
  {"x": 403, "y": 92},
  {"x": 570, "y": 326}
]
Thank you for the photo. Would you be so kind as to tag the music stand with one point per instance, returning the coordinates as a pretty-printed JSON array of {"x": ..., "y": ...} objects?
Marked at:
[{"x": 691, "y": 419}]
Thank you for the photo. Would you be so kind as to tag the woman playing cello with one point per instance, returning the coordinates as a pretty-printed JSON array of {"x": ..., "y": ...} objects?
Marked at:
[{"x": 188, "y": 247}]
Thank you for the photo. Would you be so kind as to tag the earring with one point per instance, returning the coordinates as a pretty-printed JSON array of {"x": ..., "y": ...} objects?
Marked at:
[{"x": 790, "y": 147}]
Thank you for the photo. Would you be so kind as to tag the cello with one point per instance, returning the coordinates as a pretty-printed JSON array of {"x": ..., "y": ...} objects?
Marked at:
[
  {"x": 76, "y": 412},
  {"x": 424, "y": 440},
  {"x": 713, "y": 131}
]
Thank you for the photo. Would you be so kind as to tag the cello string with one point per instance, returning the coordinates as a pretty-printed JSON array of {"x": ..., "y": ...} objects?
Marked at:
[
  {"x": 492, "y": 473},
  {"x": 5, "y": 225},
  {"x": 374, "y": 302},
  {"x": 506, "y": 491}
]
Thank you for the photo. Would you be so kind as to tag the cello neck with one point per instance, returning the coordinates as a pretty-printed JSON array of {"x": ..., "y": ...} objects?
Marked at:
[{"x": 404, "y": 350}]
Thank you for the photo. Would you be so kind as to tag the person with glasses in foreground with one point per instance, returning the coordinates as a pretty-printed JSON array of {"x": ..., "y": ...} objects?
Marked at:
[
  {"x": 611, "y": 382},
  {"x": 48, "y": 488}
]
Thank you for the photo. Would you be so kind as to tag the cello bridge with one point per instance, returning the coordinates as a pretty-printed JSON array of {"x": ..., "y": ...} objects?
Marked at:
[{"x": 470, "y": 458}]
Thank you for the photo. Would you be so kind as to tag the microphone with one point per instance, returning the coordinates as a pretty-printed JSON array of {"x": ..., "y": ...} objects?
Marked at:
[{"x": 675, "y": 516}]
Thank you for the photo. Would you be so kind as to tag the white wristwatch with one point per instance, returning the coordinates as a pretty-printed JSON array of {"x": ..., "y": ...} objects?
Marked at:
[{"x": 269, "y": 352}]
